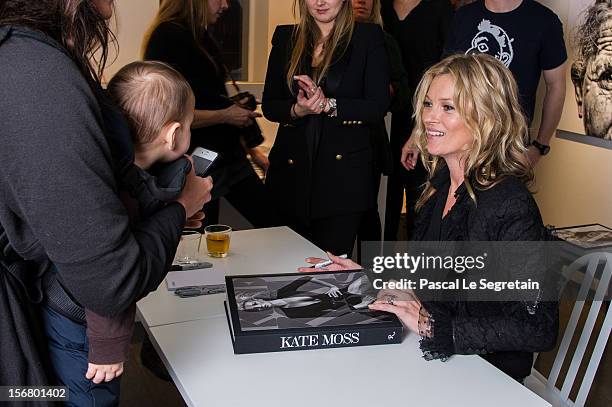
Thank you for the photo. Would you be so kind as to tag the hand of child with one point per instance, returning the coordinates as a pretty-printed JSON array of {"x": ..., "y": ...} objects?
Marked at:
[{"x": 103, "y": 373}]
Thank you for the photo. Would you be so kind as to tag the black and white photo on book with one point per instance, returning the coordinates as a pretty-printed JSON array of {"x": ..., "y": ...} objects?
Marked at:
[{"x": 306, "y": 310}]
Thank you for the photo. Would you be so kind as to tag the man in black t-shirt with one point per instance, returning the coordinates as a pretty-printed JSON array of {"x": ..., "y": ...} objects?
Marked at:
[{"x": 527, "y": 37}]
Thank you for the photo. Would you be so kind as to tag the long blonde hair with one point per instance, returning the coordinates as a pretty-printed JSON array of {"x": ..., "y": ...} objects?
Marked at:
[
  {"x": 193, "y": 13},
  {"x": 486, "y": 97},
  {"x": 307, "y": 34}
]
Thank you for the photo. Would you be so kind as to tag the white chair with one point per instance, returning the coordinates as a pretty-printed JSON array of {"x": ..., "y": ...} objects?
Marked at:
[{"x": 545, "y": 387}]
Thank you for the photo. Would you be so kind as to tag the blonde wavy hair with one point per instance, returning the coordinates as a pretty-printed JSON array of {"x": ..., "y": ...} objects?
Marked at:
[
  {"x": 193, "y": 13},
  {"x": 486, "y": 97},
  {"x": 307, "y": 35}
]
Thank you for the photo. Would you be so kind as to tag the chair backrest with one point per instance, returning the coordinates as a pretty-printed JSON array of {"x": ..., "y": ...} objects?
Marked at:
[{"x": 592, "y": 262}]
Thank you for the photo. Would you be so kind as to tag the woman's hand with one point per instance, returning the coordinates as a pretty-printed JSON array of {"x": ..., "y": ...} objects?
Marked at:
[
  {"x": 310, "y": 97},
  {"x": 404, "y": 304},
  {"x": 410, "y": 155},
  {"x": 103, "y": 373},
  {"x": 238, "y": 116},
  {"x": 338, "y": 264}
]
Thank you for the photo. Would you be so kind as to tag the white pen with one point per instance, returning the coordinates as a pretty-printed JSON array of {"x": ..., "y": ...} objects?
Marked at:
[{"x": 327, "y": 262}]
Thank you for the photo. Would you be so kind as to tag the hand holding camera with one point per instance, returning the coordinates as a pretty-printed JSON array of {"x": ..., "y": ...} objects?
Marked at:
[{"x": 241, "y": 113}]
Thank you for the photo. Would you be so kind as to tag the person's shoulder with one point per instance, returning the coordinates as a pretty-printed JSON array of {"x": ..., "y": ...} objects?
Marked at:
[
  {"x": 507, "y": 192},
  {"x": 26, "y": 60},
  {"x": 471, "y": 9},
  {"x": 367, "y": 32},
  {"x": 171, "y": 29},
  {"x": 282, "y": 33},
  {"x": 538, "y": 10}
]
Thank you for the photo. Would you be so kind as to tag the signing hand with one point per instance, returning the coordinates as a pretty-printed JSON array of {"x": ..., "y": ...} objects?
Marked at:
[
  {"x": 339, "y": 264},
  {"x": 410, "y": 155},
  {"x": 103, "y": 373}
]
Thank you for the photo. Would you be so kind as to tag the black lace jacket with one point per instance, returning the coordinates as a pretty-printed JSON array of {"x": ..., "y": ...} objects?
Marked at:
[{"x": 504, "y": 333}]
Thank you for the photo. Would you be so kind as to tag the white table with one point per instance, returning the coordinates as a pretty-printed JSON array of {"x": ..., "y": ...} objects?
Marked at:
[
  {"x": 193, "y": 340},
  {"x": 257, "y": 251}
]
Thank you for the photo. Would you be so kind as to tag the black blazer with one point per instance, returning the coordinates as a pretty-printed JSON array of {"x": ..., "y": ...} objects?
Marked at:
[
  {"x": 504, "y": 333},
  {"x": 322, "y": 166}
]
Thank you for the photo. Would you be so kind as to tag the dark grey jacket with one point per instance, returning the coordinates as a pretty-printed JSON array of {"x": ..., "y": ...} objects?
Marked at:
[{"x": 58, "y": 197}]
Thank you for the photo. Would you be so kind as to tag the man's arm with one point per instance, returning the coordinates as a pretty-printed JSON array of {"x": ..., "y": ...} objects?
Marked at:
[{"x": 551, "y": 109}]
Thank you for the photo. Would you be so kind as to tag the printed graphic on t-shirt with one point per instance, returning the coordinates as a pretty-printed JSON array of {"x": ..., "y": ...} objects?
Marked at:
[{"x": 493, "y": 40}]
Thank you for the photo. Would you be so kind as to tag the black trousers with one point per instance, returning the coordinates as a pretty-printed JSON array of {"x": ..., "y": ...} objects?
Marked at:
[
  {"x": 249, "y": 197},
  {"x": 410, "y": 182},
  {"x": 335, "y": 234},
  {"x": 402, "y": 180}
]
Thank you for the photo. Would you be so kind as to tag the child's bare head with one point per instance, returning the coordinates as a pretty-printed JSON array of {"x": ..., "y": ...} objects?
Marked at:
[{"x": 157, "y": 101}]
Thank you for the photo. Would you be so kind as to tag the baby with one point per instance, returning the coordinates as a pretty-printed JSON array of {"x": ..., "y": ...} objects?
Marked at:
[{"x": 159, "y": 106}]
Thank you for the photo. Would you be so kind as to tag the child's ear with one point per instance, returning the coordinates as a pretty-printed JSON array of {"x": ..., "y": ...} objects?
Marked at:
[{"x": 170, "y": 133}]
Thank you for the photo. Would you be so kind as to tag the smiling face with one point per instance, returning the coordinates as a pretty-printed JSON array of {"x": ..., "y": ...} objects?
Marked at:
[
  {"x": 215, "y": 9},
  {"x": 447, "y": 134},
  {"x": 362, "y": 9},
  {"x": 594, "y": 94},
  {"x": 324, "y": 11},
  {"x": 104, "y": 8}
]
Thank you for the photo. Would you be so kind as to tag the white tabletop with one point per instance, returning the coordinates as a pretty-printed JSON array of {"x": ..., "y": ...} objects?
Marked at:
[
  {"x": 208, "y": 373},
  {"x": 193, "y": 339},
  {"x": 257, "y": 251}
]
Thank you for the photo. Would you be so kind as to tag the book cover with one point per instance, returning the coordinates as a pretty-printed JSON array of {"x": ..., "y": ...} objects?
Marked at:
[{"x": 299, "y": 311}]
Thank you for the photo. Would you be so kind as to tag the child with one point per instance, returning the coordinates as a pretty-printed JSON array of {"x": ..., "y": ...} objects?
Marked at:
[{"x": 159, "y": 106}]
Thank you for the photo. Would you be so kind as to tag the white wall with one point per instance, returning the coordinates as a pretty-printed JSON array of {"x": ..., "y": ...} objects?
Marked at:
[
  {"x": 132, "y": 18},
  {"x": 574, "y": 182}
]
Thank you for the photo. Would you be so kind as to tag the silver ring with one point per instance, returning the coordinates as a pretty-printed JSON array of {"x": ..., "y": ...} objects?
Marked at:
[
  {"x": 313, "y": 89},
  {"x": 390, "y": 299},
  {"x": 321, "y": 105}
]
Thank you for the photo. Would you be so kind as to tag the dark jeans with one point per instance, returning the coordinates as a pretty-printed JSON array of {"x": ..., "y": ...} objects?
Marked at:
[{"x": 68, "y": 347}]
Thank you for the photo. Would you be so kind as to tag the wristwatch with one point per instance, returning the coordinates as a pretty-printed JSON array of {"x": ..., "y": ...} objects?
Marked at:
[
  {"x": 332, "y": 107},
  {"x": 542, "y": 148}
]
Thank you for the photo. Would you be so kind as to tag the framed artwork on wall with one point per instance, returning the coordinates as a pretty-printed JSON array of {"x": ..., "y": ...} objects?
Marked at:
[{"x": 587, "y": 116}]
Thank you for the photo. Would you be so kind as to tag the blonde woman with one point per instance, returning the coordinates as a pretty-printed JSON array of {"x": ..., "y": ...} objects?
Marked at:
[
  {"x": 327, "y": 82},
  {"x": 471, "y": 133},
  {"x": 179, "y": 37}
]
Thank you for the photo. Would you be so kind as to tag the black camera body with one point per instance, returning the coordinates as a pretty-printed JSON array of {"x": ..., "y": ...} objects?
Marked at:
[{"x": 252, "y": 134}]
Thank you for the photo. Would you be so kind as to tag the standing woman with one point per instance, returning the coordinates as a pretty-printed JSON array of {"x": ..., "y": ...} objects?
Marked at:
[
  {"x": 179, "y": 37},
  {"x": 420, "y": 28},
  {"x": 327, "y": 81},
  {"x": 68, "y": 230}
]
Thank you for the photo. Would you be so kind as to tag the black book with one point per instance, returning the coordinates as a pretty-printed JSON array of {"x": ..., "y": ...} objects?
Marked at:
[{"x": 298, "y": 311}]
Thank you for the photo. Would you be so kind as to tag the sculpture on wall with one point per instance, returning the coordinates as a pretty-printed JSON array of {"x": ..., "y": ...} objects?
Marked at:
[{"x": 592, "y": 70}]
